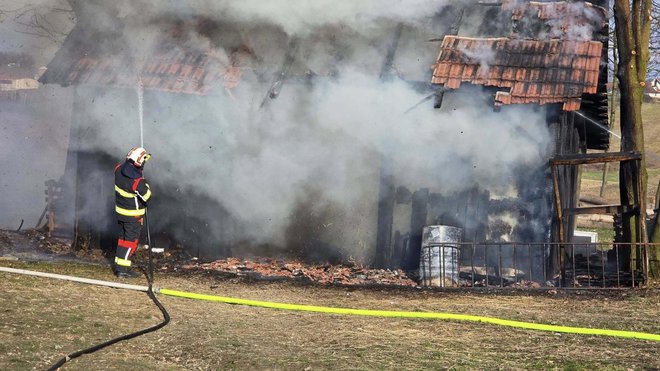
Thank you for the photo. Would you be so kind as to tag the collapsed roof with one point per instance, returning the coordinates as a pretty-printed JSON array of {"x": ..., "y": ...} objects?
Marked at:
[
  {"x": 100, "y": 55},
  {"x": 168, "y": 68},
  {"x": 529, "y": 52},
  {"x": 535, "y": 71},
  {"x": 562, "y": 16},
  {"x": 549, "y": 57}
]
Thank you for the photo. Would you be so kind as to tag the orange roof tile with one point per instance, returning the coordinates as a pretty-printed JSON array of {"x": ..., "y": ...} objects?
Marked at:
[
  {"x": 563, "y": 14},
  {"x": 178, "y": 70},
  {"x": 541, "y": 72},
  {"x": 179, "y": 73}
]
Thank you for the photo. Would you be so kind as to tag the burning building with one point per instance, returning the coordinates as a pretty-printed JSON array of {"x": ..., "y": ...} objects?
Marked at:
[{"x": 287, "y": 129}]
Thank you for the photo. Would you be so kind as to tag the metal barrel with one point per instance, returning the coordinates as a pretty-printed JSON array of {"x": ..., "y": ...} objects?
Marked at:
[{"x": 438, "y": 261}]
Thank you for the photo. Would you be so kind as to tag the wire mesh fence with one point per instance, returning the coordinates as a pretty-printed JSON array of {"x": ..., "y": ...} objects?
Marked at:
[{"x": 537, "y": 265}]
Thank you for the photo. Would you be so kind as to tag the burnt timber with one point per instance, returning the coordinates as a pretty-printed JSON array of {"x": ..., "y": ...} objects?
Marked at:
[{"x": 594, "y": 158}]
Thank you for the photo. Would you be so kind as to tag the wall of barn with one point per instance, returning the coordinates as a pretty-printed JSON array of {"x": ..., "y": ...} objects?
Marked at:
[
  {"x": 318, "y": 226},
  {"x": 520, "y": 213}
]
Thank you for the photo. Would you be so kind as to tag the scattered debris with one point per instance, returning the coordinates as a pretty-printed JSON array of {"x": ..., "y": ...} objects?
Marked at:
[
  {"x": 47, "y": 244},
  {"x": 265, "y": 268},
  {"x": 527, "y": 284}
]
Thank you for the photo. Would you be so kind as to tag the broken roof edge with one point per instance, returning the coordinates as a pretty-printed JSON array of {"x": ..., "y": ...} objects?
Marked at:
[
  {"x": 528, "y": 70},
  {"x": 176, "y": 71},
  {"x": 515, "y": 5},
  {"x": 448, "y": 38},
  {"x": 50, "y": 76}
]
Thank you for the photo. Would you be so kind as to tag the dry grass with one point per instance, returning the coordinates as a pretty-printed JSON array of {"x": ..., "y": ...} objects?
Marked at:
[
  {"x": 43, "y": 319},
  {"x": 651, "y": 117},
  {"x": 592, "y": 174}
]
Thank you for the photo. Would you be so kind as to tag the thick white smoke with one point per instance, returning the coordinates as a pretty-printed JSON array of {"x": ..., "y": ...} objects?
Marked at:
[
  {"x": 324, "y": 138},
  {"x": 36, "y": 27},
  {"x": 304, "y": 17},
  {"x": 314, "y": 153},
  {"x": 576, "y": 23},
  {"x": 34, "y": 125},
  {"x": 34, "y": 134}
]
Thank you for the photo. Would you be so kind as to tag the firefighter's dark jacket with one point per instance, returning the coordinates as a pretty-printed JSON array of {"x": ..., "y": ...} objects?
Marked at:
[{"x": 128, "y": 180}]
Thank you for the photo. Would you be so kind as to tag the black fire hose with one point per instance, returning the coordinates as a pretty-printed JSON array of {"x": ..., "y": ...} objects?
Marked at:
[
  {"x": 166, "y": 320},
  {"x": 149, "y": 273}
]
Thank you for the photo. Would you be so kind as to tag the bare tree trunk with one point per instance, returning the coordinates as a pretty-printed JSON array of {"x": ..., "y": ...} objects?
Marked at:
[
  {"x": 654, "y": 254},
  {"x": 612, "y": 103},
  {"x": 632, "y": 34}
]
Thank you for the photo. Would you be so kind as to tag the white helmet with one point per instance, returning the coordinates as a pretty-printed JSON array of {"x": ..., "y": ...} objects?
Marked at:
[{"x": 138, "y": 156}]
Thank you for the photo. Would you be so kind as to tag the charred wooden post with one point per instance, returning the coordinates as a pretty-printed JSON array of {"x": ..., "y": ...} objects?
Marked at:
[
  {"x": 386, "y": 191},
  {"x": 458, "y": 18},
  {"x": 283, "y": 73},
  {"x": 640, "y": 253},
  {"x": 50, "y": 209},
  {"x": 565, "y": 184},
  {"x": 71, "y": 174},
  {"x": 594, "y": 158},
  {"x": 55, "y": 225},
  {"x": 386, "y": 198},
  {"x": 418, "y": 218},
  {"x": 92, "y": 200},
  {"x": 574, "y": 160},
  {"x": 388, "y": 63},
  {"x": 86, "y": 177},
  {"x": 560, "y": 221}
]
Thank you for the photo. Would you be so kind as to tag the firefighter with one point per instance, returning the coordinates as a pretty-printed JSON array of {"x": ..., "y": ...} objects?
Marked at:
[{"x": 131, "y": 195}]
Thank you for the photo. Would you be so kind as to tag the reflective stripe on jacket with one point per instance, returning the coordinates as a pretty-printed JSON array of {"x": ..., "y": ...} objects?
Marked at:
[{"x": 127, "y": 204}]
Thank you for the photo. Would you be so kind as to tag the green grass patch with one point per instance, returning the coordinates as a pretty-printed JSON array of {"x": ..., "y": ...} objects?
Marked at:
[
  {"x": 612, "y": 176},
  {"x": 651, "y": 117},
  {"x": 651, "y": 120}
]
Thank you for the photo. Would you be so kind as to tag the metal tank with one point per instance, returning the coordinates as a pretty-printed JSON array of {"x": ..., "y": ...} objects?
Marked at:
[{"x": 438, "y": 261}]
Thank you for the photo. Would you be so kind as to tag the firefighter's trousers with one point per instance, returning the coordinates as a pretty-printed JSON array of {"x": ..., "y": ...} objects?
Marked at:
[{"x": 127, "y": 241}]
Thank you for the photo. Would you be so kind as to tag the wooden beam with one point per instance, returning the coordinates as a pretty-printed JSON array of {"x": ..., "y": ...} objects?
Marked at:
[
  {"x": 283, "y": 73},
  {"x": 560, "y": 219},
  {"x": 558, "y": 207},
  {"x": 594, "y": 158},
  {"x": 439, "y": 94},
  {"x": 602, "y": 209},
  {"x": 386, "y": 199},
  {"x": 418, "y": 216},
  {"x": 386, "y": 69}
]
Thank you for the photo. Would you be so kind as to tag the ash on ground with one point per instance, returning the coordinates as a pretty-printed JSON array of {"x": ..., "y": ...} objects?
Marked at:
[{"x": 273, "y": 269}]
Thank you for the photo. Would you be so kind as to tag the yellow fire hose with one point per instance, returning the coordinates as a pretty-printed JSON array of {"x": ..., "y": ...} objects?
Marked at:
[
  {"x": 359, "y": 312},
  {"x": 427, "y": 315}
]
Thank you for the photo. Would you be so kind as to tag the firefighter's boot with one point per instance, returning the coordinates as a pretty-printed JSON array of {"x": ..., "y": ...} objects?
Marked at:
[{"x": 125, "y": 272}]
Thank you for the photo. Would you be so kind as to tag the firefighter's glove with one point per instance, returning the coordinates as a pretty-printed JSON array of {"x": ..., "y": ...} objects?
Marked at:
[{"x": 139, "y": 196}]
